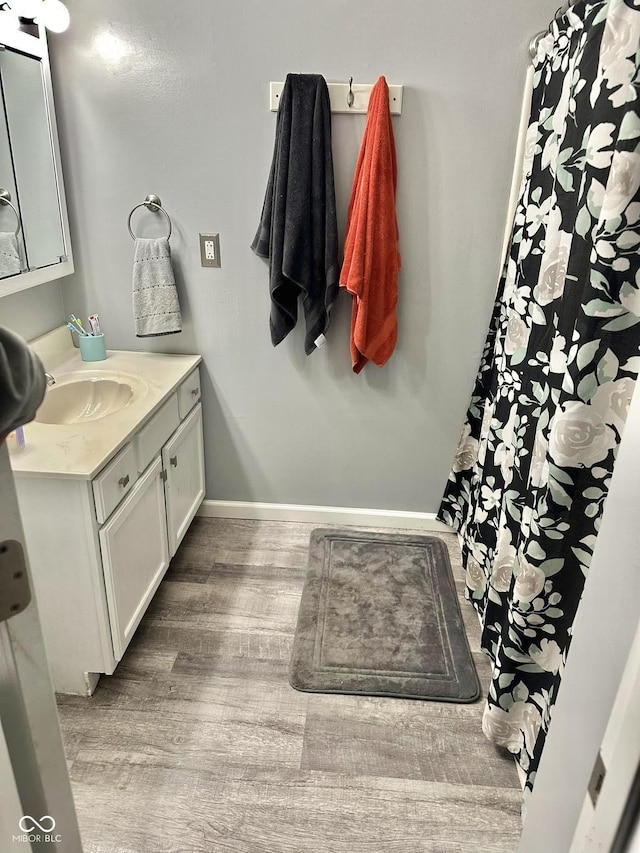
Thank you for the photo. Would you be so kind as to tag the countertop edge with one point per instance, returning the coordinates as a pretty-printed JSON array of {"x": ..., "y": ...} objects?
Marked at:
[{"x": 192, "y": 361}]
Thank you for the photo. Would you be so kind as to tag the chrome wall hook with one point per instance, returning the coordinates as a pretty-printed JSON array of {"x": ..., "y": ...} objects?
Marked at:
[{"x": 350, "y": 95}]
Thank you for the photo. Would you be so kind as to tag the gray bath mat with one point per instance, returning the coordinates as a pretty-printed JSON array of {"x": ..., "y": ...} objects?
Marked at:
[{"x": 379, "y": 616}]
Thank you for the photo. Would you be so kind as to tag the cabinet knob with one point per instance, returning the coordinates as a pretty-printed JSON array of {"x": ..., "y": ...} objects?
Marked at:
[
  {"x": 174, "y": 461},
  {"x": 194, "y": 392},
  {"x": 124, "y": 481}
]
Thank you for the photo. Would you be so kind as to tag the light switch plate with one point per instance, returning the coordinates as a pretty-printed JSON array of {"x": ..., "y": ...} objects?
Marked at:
[{"x": 210, "y": 250}]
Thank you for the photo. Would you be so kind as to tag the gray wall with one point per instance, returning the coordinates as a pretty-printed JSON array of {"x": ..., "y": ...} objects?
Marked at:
[
  {"x": 172, "y": 98},
  {"x": 33, "y": 312}
]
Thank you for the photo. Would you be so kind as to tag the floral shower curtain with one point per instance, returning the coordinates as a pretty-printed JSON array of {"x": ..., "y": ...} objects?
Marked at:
[{"x": 534, "y": 462}]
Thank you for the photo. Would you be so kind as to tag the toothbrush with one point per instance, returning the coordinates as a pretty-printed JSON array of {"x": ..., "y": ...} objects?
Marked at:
[
  {"x": 77, "y": 322},
  {"x": 73, "y": 328},
  {"x": 94, "y": 323}
]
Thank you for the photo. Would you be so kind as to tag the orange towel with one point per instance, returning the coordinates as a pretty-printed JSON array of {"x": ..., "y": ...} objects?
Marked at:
[{"x": 371, "y": 258}]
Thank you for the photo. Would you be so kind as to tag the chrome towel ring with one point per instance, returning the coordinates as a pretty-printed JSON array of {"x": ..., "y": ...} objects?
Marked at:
[
  {"x": 5, "y": 198},
  {"x": 152, "y": 202}
]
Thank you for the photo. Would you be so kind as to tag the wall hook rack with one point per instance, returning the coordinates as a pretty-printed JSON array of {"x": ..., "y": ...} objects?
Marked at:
[{"x": 346, "y": 97}]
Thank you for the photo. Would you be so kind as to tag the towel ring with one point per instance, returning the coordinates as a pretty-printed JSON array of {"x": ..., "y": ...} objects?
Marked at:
[
  {"x": 5, "y": 198},
  {"x": 152, "y": 202}
]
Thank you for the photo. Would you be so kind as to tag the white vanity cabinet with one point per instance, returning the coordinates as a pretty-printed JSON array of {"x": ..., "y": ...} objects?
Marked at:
[
  {"x": 100, "y": 548},
  {"x": 145, "y": 530},
  {"x": 135, "y": 555}
]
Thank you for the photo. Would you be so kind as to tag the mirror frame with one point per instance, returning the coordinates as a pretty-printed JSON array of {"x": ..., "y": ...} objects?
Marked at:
[{"x": 37, "y": 47}]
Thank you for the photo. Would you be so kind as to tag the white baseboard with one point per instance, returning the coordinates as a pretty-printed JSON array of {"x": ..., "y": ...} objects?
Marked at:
[{"x": 323, "y": 515}]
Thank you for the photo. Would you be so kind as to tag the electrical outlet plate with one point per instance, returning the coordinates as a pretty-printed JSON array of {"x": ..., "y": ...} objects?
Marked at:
[{"x": 210, "y": 250}]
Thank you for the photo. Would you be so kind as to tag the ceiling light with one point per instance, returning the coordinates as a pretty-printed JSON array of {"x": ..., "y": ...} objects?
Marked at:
[
  {"x": 54, "y": 15},
  {"x": 28, "y": 9}
]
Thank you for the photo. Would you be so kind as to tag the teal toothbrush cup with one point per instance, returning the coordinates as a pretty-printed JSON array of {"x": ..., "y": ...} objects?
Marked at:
[{"x": 92, "y": 347}]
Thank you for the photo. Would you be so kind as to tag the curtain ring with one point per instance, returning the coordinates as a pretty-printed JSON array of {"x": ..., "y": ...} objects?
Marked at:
[{"x": 350, "y": 95}]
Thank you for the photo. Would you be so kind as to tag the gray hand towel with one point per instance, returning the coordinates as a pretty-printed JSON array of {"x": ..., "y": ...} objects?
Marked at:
[
  {"x": 298, "y": 229},
  {"x": 9, "y": 256},
  {"x": 156, "y": 310},
  {"x": 22, "y": 382}
]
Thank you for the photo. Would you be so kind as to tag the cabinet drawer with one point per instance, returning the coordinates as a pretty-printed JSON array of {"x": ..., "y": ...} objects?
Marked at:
[
  {"x": 188, "y": 393},
  {"x": 114, "y": 482},
  {"x": 154, "y": 434}
]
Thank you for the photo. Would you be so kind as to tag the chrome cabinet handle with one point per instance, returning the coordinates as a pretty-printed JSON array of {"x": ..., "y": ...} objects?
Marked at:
[
  {"x": 123, "y": 481},
  {"x": 173, "y": 461}
]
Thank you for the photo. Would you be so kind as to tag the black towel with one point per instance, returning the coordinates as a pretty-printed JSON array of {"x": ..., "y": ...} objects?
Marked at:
[{"x": 298, "y": 229}]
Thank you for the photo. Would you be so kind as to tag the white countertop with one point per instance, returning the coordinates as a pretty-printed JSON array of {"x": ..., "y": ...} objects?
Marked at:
[{"x": 79, "y": 451}]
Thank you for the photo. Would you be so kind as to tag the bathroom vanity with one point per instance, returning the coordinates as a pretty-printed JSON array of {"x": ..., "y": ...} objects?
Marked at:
[{"x": 107, "y": 498}]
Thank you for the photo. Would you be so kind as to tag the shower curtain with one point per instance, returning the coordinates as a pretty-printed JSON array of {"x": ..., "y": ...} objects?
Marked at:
[{"x": 533, "y": 466}]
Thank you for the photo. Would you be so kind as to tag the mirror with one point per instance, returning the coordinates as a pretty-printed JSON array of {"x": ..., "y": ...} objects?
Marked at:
[{"x": 34, "y": 237}]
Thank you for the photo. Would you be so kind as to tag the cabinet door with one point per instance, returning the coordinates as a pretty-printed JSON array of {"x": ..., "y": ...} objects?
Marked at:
[
  {"x": 135, "y": 555},
  {"x": 183, "y": 460}
]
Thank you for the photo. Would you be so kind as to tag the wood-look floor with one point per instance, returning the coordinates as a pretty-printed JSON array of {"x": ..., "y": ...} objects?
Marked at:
[{"x": 198, "y": 743}]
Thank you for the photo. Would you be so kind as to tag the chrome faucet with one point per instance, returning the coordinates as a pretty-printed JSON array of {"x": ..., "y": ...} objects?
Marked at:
[{"x": 50, "y": 379}]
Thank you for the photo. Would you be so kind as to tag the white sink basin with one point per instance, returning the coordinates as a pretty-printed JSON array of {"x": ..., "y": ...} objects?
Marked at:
[{"x": 82, "y": 399}]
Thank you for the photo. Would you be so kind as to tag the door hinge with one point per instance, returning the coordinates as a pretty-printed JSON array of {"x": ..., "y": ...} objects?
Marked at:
[
  {"x": 15, "y": 593},
  {"x": 163, "y": 476},
  {"x": 597, "y": 778}
]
